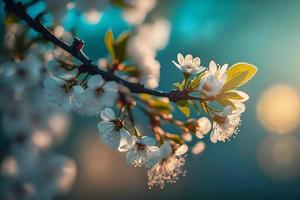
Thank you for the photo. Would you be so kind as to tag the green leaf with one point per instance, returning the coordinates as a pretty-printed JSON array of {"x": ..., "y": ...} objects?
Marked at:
[
  {"x": 109, "y": 42},
  {"x": 238, "y": 75},
  {"x": 183, "y": 106},
  {"x": 195, "y": 106},
  {"x": 226, "y": 102},
  {"x": 120, "y": 46},
  {"x": 193, "y": 84},
  {"x": 205, "y": 107},
  {"x": 234, "y": 95},
  {"x": 157, "y": 103}
]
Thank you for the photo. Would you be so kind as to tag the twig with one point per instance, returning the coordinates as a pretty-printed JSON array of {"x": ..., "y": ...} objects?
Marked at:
[{"x": 87, "y": 67}]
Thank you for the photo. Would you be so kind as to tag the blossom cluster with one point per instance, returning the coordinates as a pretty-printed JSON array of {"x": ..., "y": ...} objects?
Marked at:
[{"x": 121, "y": 84}]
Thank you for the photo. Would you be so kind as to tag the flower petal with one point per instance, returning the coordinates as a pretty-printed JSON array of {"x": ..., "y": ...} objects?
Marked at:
[
  {"x": 196, "y": 62},
  {"x": 153, "y": 156},
  {"x": 111, "y": 86},
  {"x": 149, "y": 141},
  {"x": 213, "y": 67},
  {"x": 52, "y": 82},
  {"x": 95, "y": 81},
  {"x": 181, "y": 150},
  {"x": 166, "y": 150},
  {"x": 107, "y": 114},
  {"x": 180, "y": 59},
  {"x": 177, "y": 65},
  {"x": 126, "y": 141},
  {"x": 78, "y": 89},
  {"x": 188, "y": 57}
]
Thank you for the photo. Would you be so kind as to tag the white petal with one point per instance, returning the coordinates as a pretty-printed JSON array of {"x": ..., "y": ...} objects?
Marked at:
[
  {"x": 213, "y": 137},
  {"x": 107, "y": 114},
  {"x": 242, "y": 94},
  {"x": 196, "y": 61},
  {"x": 199, "y": 135},
  {"x": 177, "y": 65},
  {"x": 188, "y": 57},
  {"x": 153, "y": 156},
  {"x": 111, "y": 86},
  {"x": 95, "y": 81},
  {"x": 223, "y": 69},
  {"x": 148, "y": 141},
  {"x": 181, "y": 150},
  {"x": 213, "y": 67},
  {"x": 166, "y": 150},
  {"x": 52, "y": 83},
  {"x": 126, "y": 142},
  {"x": 180, "y": 59},
  {"x": 78, "y": 89}
]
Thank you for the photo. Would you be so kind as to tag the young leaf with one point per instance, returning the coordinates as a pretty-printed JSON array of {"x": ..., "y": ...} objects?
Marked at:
[
  {"x": 109, "y": 42},
  {"x": 157, "y": 103},
  {"x": 204, "y": 107},
  {"x": 120, "y": 46},
  {"x": 238, "y": 75},
  {"x": 194, "y": 104},
  {"x": 226, "y": 102},
  {"x": 193, "y": 84},
  {"x": 184, "y": 107},
  {"x": 234, "y": 95}
]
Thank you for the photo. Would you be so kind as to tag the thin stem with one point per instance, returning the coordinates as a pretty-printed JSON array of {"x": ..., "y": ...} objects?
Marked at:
[{"x": 76, "y": 51}]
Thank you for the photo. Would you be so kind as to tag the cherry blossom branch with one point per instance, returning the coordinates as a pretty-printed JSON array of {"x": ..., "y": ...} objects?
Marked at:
[{"x": 87, "y": 67}]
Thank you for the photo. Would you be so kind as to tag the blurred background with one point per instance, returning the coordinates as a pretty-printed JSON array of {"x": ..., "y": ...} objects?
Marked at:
[{"x": 263, "y": 161}]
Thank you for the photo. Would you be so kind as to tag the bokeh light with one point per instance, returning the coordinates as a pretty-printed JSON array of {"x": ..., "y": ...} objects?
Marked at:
[
  {"x": 279, "y": 157},
  {"x": 278, "y": 109},
  {"x": 93, "y": 16}
]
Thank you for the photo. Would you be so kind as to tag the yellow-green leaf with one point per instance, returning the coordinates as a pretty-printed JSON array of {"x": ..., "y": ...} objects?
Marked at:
[
  {"x": 204, "y": 107},
  {"x": 238, "y": 75},
  {"x": 183, "y": 106},
  {"x": 109, "y": 42},
  {"x": 226, "y": 102},
  {"x": 120, "y": 46},
  {"x": 234, "y": 95}
]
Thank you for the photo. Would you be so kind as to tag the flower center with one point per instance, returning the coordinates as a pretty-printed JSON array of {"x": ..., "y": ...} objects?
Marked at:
[
  {"x": 22, "y": 73},
  {"x": 99, "y": 91},
  {"x": 118, "y": 124},
  {"x": 140, "y": 146},
  {"x": 67, "y": 87}
]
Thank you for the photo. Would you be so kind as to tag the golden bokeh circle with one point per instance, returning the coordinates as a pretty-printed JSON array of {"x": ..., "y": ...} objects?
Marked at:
[{"x": 278, "y": 109}]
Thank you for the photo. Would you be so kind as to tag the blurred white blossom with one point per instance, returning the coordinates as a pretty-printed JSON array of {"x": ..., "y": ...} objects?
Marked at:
[
  {"x": 138, "y": 10},
  {"x": 62, "y": 92},
  {"x": 143, "y": 47}
]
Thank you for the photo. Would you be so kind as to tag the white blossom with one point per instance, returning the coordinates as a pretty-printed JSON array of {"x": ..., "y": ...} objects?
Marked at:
[
  {"x": 143, "y": 47},
  {"x": 199, "y": 127},
  {"x": 188, "y": 64},
  {"x": 169, "y": 168},
  {"x": 212, "y": 82},
  {"x": 226, "y": 123},
  {"x": 113, "y": 133},
  {"x": 22, "y": 74},
  {"x": 143, "y": 152},
  {"x": 99, "y": 94},
  {"x": 62, "y": 92},
  {"x": 139, "y": 10}
]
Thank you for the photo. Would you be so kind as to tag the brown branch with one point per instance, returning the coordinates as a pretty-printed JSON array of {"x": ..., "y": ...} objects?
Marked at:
[{"x": 87, "y": 67}]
